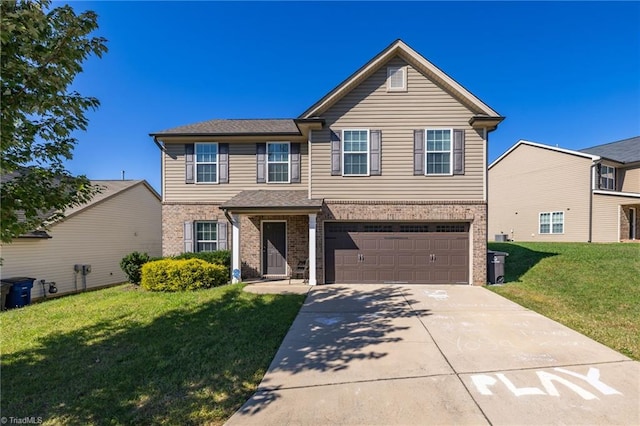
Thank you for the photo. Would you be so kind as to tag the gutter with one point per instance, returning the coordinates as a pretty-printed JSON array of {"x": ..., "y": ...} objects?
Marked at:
[{"x": 158, "y": 144}]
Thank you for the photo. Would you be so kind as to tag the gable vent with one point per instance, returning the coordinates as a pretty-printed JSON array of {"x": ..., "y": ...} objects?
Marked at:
[{"x": 396, "y": 78}]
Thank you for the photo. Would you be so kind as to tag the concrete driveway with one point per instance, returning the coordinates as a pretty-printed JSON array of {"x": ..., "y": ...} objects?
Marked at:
[{"x": 400, "y": 355}]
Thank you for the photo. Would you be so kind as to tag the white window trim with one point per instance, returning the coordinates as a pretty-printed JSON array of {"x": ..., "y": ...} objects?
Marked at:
[
  {"x": 196, "y": 241},
  {"x": 390, "y": 70},
  {"x": 196, "y": 162},
  {"x": 614, "y": 178},
  {"x": 368, "y": 153},
  {"x": 550, "y": 223},
  {"x": 426, "y": 152},
  {"x": 267, "y": 162}
]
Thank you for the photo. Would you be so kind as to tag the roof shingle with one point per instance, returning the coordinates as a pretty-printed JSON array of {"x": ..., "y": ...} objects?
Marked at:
[
  {"x": 623, "y": 151},
  {"x": 274, "y": 199},
  {"x": 258, "y": 126}
]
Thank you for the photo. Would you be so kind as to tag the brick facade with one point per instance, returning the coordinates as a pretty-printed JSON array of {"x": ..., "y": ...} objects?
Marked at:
[
  {"x": 175, "y": 215},
  {"x": 474, "y": 213}
]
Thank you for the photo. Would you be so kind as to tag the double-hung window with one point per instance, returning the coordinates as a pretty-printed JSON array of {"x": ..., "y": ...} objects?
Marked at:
[
  {"x": 355, "y": 152},
  {"x": 438, "y": 151},
  {"x": 206, "y": 162},
  {"x": 607, "y": 177},
  {"x": 206, "y": 236},
  {"x": 551, "y": 223},
  {"x": 278, "y": 161}
]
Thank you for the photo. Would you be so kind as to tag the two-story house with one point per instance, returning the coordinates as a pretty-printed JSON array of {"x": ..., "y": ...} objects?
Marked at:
[
  {"x": 383, "y": 180},
  {"x": 544, "y": 193}
]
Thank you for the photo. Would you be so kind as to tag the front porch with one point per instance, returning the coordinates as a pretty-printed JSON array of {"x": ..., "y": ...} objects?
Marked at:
[{"x": 272, "y": 232}]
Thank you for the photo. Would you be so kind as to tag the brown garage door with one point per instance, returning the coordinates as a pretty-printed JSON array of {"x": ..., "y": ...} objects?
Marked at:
[{"x": 414, "y": 253}]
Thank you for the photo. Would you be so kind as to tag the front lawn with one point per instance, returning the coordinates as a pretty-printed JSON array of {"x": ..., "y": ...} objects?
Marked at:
[
  {"x": 127, "y": 356},
  {"x": 592, "y": 288}
]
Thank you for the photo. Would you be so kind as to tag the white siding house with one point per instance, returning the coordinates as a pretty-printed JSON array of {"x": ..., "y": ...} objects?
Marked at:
[{"x": 124, "y": 217}]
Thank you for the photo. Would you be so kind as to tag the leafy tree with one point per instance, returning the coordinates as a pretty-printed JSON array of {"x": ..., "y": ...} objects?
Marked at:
[{"x": 42, "y": 50}]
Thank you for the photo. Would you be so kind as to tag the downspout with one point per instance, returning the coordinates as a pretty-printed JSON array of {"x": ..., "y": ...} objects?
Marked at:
[
  {"x": 591, "y": 188},
  {"x": 162, "y": 151},
  {"x": 309, "y": 165}
]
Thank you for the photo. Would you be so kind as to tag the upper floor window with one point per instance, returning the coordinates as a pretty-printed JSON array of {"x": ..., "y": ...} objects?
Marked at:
[
  {"x": 438, "y": 151},
  {"x": 278, "y": 161},
  {"x": 607, "y": 177},
  {"x": 355, "y": 152},
  {"x": 551, "y": 223},
  {"x": 206, "y": 162},
  {"x": 396, "y": 79},
  {"x": 206, "y": 236}
]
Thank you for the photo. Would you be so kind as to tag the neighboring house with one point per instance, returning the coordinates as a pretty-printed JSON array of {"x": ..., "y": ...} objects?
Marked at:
[
  {"x": 544, "y": 193},
  {"x": 126, "y": 216},
  {"x": 383, "y": 180}
]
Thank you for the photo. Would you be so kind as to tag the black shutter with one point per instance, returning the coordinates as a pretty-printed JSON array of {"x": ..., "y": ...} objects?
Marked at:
[
  {"x": 189, "y": 163},
  {"x": 223, "y": 163},
  {"x": 261, "y": 161},
  {"x": 375, "y": 153},
  {"x": 418, "y": 152},
  {"x": 222, "y": 235},
  {"x": 188, "y": 237},
  {"x": 458, "y": 152},
  {"x": 336, "y": 153},
  {"x": 295, "y": 163}
]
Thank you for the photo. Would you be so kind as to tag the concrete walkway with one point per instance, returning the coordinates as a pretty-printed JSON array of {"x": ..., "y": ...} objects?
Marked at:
[{"x": 401, "y": 355}]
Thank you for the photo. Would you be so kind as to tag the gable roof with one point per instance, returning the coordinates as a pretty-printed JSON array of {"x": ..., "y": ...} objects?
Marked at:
[
  {"x": 245, "y": 127},
  {"x": 412, "y": 57},
  {"x": 623, "y": 151},
  {"x": 289, "y": 126},
  {"x": 543, "y": 146},
  {"x": 109, "y": 189}
]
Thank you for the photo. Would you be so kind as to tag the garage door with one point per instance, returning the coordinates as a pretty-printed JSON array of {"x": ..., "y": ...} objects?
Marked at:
[{"x": 413, "y": 253}]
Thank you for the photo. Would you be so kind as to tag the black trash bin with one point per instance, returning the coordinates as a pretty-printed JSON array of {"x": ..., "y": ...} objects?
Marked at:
[
  {"x": 495, "y": 266},
  {"x": 20, "y": 293},
  {"x": 4, "y": 287}
]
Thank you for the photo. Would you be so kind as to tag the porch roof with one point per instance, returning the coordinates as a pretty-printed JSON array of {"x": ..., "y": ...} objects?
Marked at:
[{"x": 272, "y": 200}]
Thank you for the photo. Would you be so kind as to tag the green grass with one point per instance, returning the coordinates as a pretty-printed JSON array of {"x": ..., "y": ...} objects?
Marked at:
[
  {"x": 591, "y": 288},
  {"x": 127, "y": 356}
]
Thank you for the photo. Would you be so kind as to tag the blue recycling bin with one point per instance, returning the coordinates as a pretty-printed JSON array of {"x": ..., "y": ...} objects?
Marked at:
[{"x": 20, "y": 293}]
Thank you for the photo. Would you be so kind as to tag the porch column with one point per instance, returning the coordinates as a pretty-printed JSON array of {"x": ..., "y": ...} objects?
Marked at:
[
  {"x": 312, "y": 249},
  {"x": 235, "y": 254}
]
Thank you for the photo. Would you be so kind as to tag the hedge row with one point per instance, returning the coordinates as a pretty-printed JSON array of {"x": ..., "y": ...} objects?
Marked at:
[
  {"x": 182, "y": 274},
  {"x": 186, "y": 275}
]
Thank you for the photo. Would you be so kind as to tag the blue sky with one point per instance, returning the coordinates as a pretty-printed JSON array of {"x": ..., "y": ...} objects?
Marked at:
[{"x": 565, "y": 74}]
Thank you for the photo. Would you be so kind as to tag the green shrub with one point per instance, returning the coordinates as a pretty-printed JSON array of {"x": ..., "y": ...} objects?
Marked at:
[
  {"x": 220, "y": 257},
  {"x": 131, "y": 265},
  {"x": 182, "y": 274}
]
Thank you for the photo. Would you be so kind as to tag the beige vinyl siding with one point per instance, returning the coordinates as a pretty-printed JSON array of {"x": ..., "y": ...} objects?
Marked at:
[
  {"x": 242, "y": 174},
  {"x": 100, "y": 235},
  {"x": 606, "y": 216},
  {"x": 532, "y": 180},
  {"x": 397, "y": 115},
  {"x": 631, "y": 179}
]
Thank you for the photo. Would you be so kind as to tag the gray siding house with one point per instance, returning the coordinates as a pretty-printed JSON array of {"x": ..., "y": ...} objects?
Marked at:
[
  {"x": 539, "y": 192},
  {"x": 383, "y": 180}
]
